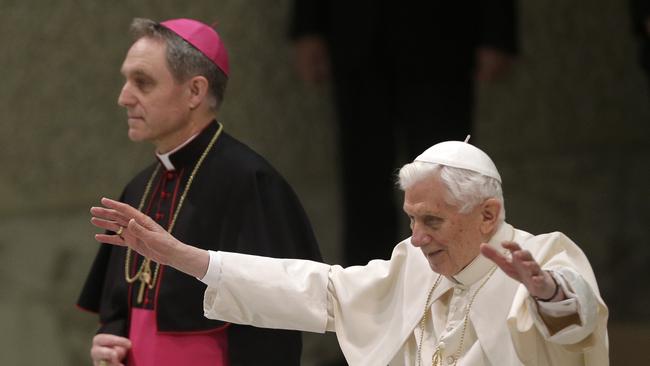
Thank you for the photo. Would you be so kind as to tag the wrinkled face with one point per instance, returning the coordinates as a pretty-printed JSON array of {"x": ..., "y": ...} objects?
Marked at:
[
  {"x": 157, "y": 106},
  {"x": 448, "y": 239}
]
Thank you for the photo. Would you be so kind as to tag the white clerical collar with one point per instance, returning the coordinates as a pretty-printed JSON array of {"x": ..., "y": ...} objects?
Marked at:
[
  {"x": 164, "y": 158},
  {"x": 480, "y": 266}
]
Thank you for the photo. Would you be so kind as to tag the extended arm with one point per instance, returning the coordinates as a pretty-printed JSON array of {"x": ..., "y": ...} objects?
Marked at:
[{"x": 282, "y": 284}]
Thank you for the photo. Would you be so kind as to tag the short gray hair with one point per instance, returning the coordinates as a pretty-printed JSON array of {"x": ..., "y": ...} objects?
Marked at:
[
  {"x": 466, "y": 188},
  {"x": 184, "y": 61}
]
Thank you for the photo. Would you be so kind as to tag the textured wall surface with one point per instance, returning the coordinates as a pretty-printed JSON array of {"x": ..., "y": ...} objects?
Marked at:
[
  {"x": 570, "y": 133},
  {"x": 568, "y": 130}
]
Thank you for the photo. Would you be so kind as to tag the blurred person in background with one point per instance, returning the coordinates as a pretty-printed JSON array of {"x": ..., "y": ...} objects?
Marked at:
[
  {"x": 403, "y": 76},
  {"x": 640, "y": 11}
]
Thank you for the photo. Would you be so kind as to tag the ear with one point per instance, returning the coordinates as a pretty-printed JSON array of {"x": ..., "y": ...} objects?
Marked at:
[
  {"x": 490, "y": 210},
  {"x": 198, "y": 90}
]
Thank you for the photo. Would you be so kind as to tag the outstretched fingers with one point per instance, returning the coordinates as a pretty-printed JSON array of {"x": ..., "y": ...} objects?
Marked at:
[
  {"x": 111, "y": 239},
  {"x": 504, "y": 263},
  {"x": 134, "y": 229},
  {"x": 523, "y": 261},
  {"x": 130, "y": 212},
  {"x": 151, "y": 243},
  {"x": 109, "y": 215},
  {"x": 138, "y": 230},
  {"x": 522, "y": 266}
]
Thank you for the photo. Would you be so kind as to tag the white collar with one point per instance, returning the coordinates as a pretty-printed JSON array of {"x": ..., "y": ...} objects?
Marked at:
[
  {"x": 165, "y": 157},
  {"x": 480, "y": 266}
]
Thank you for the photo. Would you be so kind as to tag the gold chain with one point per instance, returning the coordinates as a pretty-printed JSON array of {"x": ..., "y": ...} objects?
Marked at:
[
  {"x": 436, "y": 359},
  {"x": 144, "y": 272},
  {"x": 424, "y": 317}
]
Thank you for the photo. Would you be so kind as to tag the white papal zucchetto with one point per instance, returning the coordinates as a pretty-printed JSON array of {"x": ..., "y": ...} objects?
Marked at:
[{"x": 462, "y": 155}]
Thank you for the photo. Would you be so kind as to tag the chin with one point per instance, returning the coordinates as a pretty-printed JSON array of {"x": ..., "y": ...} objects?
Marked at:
[
  {"x": 437, "y": 268},
  {"x": 135, "y": 136},
  {"x": 443, "y": 269}
]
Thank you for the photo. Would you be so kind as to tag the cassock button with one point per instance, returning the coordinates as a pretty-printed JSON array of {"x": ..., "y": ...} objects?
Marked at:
[
  {"x": 163, "y": 194},
  {"x": 170, "y": 175},
  {"x": 159, "y": 215},
  {"x": 450, "y": 360}
]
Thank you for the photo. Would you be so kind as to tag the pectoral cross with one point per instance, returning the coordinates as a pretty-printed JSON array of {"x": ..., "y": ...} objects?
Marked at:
[
  {"x": 145, "y": 280},
  {"x": 436, "y": 360}
]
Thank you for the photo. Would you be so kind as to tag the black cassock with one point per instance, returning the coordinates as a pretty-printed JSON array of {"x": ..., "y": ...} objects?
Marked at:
[{"x": 237, "y": 202}]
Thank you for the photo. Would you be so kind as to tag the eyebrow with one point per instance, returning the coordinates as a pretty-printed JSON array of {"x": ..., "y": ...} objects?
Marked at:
[
  {"x": 426, "y": 215},
  {"x": 432, "y": 218},
  {"x": 135, "y": 72}
]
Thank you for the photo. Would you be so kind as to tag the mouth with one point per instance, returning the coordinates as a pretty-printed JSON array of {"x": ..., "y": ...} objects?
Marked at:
[
  {"x": 133, "y": 121},
  {"x": 434, "y": 254}
]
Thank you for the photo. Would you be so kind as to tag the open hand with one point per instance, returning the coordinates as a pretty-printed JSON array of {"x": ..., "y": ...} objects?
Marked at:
[
  {"x": 139, "y": 231},
  {"x": 142, "y": 234},
  {"x": 522, "y": 267}
]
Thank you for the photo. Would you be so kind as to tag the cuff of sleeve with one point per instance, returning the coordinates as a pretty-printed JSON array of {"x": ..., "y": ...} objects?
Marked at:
[
  {"x": 213, "y": 273},
  {"x": 565, "y": 307}
]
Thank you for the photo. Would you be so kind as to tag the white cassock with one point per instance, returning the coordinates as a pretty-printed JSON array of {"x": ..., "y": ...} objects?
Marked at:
[{"x": 376, "y": 310}]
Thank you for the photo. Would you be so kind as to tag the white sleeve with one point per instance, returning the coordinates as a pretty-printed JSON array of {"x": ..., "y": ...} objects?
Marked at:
[
  {"x": 267, "y": 292},
  {"x": 565, "y": 307},
  {"x": 579, "y": 295},
  {"x": 213, "y": 273}
]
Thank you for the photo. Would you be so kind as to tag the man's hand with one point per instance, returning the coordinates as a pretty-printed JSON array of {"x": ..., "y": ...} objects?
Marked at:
[
  {"x": 492, "y": 64},
  {"x": 146, "y": 237},
  {"x": 109, "y": 348},
  {"x": 311, "y": 58},
  {"x": 522, "y": 267}
]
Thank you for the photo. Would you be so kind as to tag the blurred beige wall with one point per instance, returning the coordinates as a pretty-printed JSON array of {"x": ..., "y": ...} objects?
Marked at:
[{"x": 568, "y": 130}]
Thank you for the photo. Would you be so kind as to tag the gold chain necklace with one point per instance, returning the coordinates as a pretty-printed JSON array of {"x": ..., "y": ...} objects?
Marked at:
[
  {"x": 426, "y": 305},
  {"x": 144, "y": 272},
  {"x": 436, "y": 359}
]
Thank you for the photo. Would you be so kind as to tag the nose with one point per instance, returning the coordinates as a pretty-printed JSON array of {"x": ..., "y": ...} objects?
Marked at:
[
  {"x": 419, "y": 237},
  {"x": 126, "y": 98}
]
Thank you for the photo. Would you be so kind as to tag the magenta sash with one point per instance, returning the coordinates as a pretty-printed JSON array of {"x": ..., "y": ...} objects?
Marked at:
[{"x": 150, "y": 348}]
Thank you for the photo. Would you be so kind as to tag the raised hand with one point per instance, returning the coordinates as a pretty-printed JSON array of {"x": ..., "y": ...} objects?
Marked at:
[
  {"x": 145, "y": 236},
  {"x": 522, "y": 267}
]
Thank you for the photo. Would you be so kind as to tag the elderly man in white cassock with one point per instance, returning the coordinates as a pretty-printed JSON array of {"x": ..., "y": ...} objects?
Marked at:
[{"x": 465, "y": 289}]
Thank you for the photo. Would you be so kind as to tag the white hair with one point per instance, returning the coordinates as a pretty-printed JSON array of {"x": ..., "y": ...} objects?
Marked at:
[{"x": 466, "y": 188}]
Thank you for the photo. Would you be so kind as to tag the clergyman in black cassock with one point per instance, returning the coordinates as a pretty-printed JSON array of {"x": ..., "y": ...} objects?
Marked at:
[{"x": 206, "y": 188}]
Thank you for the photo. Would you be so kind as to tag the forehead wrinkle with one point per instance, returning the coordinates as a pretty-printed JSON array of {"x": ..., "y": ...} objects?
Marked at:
[
  {"x": 141, "y": 55},
  {"x": 419, "y": 209}
]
